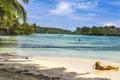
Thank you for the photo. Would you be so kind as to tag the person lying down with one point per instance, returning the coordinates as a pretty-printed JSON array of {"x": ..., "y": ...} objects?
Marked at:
[{"x": 98, "y": 66}]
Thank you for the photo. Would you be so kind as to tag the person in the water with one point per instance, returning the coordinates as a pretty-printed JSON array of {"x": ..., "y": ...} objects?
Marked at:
[
  {"x": 99, "y": 67},
  {"x": 79, "y": 40}
]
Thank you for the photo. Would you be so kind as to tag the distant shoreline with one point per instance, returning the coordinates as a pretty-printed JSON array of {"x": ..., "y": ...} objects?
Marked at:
[{"x": 91, "y": 31}]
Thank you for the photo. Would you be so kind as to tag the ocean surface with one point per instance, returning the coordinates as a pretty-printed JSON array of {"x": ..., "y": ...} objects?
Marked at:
[{"x": 94, "y": 47}]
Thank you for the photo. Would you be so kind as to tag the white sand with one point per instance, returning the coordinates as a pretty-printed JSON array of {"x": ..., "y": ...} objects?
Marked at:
[{"x": 81, "y": 66}]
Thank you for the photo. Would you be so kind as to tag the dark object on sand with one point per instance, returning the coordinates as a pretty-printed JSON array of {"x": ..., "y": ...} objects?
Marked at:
[{"x": 26, "y": 58}]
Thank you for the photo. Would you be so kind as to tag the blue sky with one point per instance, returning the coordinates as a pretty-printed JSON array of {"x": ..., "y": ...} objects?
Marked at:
[{"x": 69, "y": 14}]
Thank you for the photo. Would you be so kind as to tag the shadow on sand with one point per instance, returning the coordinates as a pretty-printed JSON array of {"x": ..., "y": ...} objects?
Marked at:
[{"x": 11, "y": 69}]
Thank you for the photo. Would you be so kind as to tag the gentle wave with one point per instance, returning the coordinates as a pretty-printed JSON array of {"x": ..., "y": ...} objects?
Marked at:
[
  {"x": 114, "y": 48},
  {"x": 83, "y": 47}
]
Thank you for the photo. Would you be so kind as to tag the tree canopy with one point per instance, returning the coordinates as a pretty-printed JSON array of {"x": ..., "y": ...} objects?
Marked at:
[
  {"x": 99, "y": 31},
  {"x": 11, "y": 13},
  {"x": 50, "y": 30}
]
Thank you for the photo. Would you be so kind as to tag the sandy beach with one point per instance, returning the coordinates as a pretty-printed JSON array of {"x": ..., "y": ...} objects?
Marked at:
[
  {"x": 81, "y": 66},
  {"x": 53, "y": 68},
  {"x": 60, "y": 40}
]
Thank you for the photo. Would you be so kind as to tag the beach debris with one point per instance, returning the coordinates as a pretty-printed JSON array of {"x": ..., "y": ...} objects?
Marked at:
[
  {"x": 84, "y": 73},
  {"x": 26, "y": 58},
  {"x": 1, "y": 64}
]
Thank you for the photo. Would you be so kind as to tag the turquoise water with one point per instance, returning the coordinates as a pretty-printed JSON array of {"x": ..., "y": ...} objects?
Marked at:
[{"x": 95, "y": 47}]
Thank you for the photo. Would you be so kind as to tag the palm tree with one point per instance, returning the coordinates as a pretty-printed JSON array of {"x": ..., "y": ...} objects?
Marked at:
[
  {"x": 13, "y": 6},
  {"x": 11, "y": 11}
]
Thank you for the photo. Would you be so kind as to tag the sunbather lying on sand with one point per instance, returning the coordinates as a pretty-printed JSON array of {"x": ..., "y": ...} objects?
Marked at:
[{"x": 99, "y": 67}]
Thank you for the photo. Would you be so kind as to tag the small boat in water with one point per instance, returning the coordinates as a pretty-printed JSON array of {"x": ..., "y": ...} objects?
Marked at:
[{"x": 60, "y": 35}]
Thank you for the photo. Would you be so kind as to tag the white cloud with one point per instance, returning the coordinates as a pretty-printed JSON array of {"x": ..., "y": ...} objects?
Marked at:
[
  {"x": 114, "y": 22},
  {"x": 87, "y": 5},
  {"x": 68, "y": 10},
  {"x": 63, "y": 8},
  {"x": 109, "y": 24}
]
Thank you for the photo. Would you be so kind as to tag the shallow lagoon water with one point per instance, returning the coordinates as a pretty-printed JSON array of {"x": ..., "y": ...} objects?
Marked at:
[{"x": 95, "y": 47}]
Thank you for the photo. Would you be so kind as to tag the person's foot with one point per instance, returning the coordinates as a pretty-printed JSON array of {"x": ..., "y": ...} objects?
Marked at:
[{"x": 118, "y": 67}]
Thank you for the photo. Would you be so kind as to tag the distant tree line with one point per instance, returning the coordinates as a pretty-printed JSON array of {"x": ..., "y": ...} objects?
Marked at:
[
  {"x": 100, "y": 31},
  {"x": 49, "y": 30},
  {"x": 95, "y": 30}
]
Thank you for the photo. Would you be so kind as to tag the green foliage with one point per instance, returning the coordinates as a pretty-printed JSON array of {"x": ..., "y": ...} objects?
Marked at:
[
  {"x": 103, "y": 31},
  {"x": 18, "y": 29},
  {"x": 12, "y": 8},
  {"x": 11, "y": 12},
  {"x": 52, "y": 30},
  {"x": 28, "y": 29}
]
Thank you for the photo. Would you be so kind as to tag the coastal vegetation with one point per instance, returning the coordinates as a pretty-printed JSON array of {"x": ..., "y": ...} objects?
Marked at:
[
  {"x": 13, "y": 18},
  {"x": 13, "y": 21},
  {"x": 99, "y": 31},
  {"x": 95, "y": 30},
  {"x": 50, "y": 30}
]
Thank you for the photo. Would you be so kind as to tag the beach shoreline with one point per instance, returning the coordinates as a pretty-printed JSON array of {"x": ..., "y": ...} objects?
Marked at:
[
  {"x": 79, "y": 65},
  {"x": 82, "y": 67}
]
